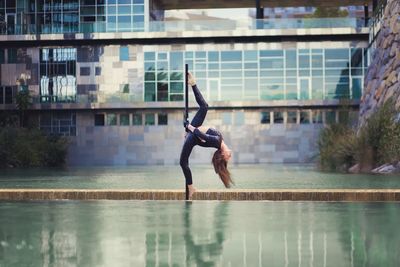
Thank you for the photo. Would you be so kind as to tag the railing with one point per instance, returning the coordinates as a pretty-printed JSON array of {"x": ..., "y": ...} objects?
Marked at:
[
  {"x": 376, "y": 23},
  {"x": 185, "y": 25}
]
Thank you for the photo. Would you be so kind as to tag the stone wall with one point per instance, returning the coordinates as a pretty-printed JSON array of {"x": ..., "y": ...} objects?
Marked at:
[
  {"x": 251, "y": 141},
  {"x": 382, "y": 80}
]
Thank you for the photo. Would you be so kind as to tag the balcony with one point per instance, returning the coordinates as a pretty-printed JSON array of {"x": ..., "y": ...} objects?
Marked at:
[{"x": 188, "y": 25}]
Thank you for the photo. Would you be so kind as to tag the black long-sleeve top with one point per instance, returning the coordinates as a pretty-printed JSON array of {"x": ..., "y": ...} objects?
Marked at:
[{"x": 212, "y": 138}]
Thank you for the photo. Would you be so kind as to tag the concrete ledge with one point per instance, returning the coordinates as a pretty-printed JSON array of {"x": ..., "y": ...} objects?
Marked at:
[{"x": 236, "y": 194}]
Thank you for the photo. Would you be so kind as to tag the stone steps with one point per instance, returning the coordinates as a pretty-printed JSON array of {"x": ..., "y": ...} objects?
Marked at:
[{"x": 235, "y": 195}]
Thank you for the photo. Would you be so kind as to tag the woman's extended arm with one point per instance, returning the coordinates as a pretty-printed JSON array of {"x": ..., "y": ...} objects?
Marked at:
[{"x": 207, "y": 138}]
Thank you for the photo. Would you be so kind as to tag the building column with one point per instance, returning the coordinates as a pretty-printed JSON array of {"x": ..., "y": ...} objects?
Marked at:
[
  {"x": 259, "y": 14},
  {"x": 366, "y": 15}
]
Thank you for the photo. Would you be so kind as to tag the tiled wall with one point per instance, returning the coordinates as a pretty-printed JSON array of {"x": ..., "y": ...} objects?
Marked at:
[{"x": 251, "y": 141}]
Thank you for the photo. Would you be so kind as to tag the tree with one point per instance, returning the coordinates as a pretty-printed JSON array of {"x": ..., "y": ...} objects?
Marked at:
[
  {"x": 23, "y": 101},
  {"x": 328, "y": 12}
]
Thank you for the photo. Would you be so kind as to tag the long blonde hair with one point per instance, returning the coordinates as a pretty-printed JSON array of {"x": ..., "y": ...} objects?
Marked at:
[{"x": 221, "y": 168}]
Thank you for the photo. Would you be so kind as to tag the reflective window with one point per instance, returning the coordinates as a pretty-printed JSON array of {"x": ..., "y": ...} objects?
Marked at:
[
  {"x": 111, "y": 119},
  {"x": 58, "y": 75},
  {"x": 137, "y": 119},
  {"x": 149, "y": 119},
  {"x": 291, "y": 116},
  {"x": 124, "y": 53},
  {"x": 317, "y": 116},
  {"x": 304, "y": 116},
  {"x": 265, "y": 117},
  {"x": 278, "y": 117},
  {"x": 291, "y": 74},
  {"x": 124, "y": 119}
]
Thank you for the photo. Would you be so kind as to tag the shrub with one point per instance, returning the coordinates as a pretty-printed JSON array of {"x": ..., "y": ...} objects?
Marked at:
[
  {"x": 375, "y": 143},
  {"x": 20, "y": 147}
]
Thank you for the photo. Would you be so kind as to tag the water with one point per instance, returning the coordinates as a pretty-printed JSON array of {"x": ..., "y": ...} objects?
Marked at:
[
  {"x": 260, "y": 176},
  {"x": 169, "y": 233}
]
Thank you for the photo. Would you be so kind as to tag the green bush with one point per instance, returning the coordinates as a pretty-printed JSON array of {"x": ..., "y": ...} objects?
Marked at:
[
  {"x": 375, "y": 143},
  {"x": 336, "y": 145},
  {"x": 21, "y": 147}
]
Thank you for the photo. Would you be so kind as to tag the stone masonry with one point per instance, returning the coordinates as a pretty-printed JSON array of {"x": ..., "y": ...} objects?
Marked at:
[{"x": 382, "y": 80}]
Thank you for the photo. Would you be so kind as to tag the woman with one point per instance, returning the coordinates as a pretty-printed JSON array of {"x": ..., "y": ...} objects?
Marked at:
[{"x": 205, "y": 137}]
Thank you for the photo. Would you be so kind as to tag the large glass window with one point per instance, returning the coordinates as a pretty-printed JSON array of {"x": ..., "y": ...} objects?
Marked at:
[
  {"x": 58, "y": 75},
  {"x": 299, "y": 74}
]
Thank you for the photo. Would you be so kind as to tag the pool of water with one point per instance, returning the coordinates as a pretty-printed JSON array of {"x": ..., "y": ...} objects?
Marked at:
[
  {"x": 169, "y": 233},
  {"x": 260, "y": 176}
]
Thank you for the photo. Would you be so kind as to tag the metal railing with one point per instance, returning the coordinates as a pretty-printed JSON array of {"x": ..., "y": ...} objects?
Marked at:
[{"x": 184, "y": 25}]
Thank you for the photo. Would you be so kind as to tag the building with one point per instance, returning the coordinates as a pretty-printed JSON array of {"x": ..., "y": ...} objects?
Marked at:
[{"x": 109, "y": 75}]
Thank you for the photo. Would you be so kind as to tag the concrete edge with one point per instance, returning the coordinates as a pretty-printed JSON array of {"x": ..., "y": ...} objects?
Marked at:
[{"x": 369, "y": 195}]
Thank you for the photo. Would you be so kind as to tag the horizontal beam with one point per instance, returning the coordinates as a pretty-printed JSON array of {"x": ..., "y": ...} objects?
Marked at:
[
  {"x": 192, "y": 4},
  {"x": 236, "y": 194}
]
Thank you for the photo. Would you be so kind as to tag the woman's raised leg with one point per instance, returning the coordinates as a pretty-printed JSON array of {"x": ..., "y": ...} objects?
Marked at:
[{"x": 198, "y": 119}]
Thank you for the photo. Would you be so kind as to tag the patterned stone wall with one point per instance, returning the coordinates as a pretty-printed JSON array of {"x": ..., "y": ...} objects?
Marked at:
[
  {"x": 383, "y": 77},
  {"x": 251, "y": 141}
]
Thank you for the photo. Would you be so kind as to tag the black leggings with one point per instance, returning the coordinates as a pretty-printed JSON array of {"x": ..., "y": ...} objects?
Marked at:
[{"x": 191, "y": 140}]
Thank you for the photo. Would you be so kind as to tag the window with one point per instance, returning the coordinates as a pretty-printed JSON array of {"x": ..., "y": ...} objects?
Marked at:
[
  {"x": 2, "y": 58},
  {"x": 58, "y": 123},
  {"x": 227, "y": 118},
  {"x": 265, "y": 117},
  {"x": 304, "y": 116},
  {"x": 317, "y": 116},
  {"x": 330, "y": 117},
  {"x": 278, "y": 117},
  {"x": 239, "y": 118},
  {"x": 149, "y": 119},
  {"x": 12, "y": 55},
  {"x": 162, "y": 119},
  {"x": 6, "y": 95},
  {"x": 85, "y": 71},
  {"x": 292, "y": 117},
  {"x": 98, "y": 71},
  {"x": 111, "y": 119},
  {"x": 124, "y": 53},
  {"x": 124, "y": 119},
  {"x": 124, "y": 88},
  {"x": 99, "y": 120},
  {"x": 58, "y": 75},
  {"x": 137, "y": 119}
]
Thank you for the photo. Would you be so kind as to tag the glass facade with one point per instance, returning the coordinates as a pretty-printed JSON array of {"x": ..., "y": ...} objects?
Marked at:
[
  {"x": 58, "y": 75},
  {"x": 6, "y": 95},
  {"x": 69, "y": 16},
  {"x": 298, "y": 74}
]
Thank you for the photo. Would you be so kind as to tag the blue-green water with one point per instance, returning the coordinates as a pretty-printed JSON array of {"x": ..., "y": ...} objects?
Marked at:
[
  {"x": 172, "y": 233},
  {"x": 260, "y": 176}
]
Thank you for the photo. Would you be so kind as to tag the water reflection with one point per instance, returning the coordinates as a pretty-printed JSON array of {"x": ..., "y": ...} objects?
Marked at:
[
  {"x": 151, "y": 233},
  {"x": 205, "y": 251}
]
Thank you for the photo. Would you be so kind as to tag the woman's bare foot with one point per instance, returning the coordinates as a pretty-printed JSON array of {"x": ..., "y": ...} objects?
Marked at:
[{"x": 192, "y": 190}]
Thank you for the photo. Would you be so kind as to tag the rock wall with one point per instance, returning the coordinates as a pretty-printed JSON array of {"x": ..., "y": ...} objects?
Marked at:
[{"x": 383, "y": 76}]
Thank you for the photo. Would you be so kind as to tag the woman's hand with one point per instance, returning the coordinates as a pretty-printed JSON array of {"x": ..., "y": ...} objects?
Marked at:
[
  {"x": 191, "y": 128},
  {"x": 191, "y": 80}
]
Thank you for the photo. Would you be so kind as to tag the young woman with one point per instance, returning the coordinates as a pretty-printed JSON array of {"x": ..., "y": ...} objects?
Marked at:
[{"x": 205, "y": 137}]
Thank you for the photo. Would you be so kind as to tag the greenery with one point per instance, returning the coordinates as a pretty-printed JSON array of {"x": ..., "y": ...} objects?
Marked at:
[
  {"x": 23, "y": 101},
  {"x": 373, "y": 144},
  {"x": 328, "y": 12},
  {"x": 21, "y": 147}
]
